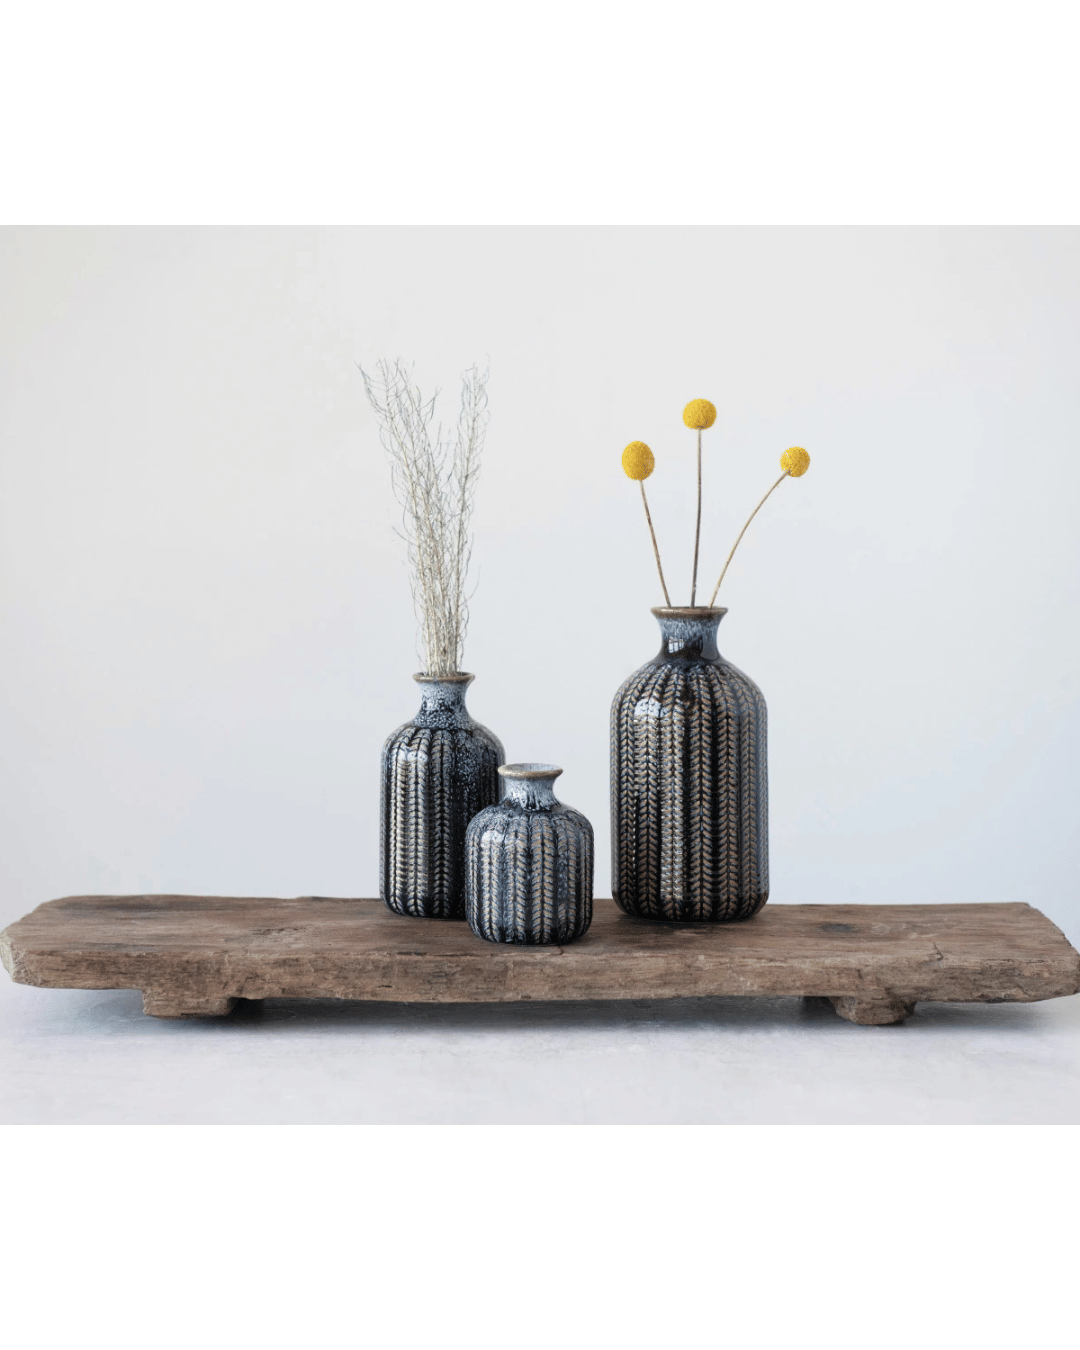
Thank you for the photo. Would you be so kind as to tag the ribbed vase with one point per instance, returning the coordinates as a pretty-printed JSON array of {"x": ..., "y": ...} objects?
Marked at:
[
  {"x": 438, "y": 771},
  {"x": 689, "y": 784},
  {"x": 530, "y": 863}
]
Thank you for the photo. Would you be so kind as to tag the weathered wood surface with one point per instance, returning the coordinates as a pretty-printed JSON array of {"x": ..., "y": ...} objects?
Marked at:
[{"x": 193, "y": 956}]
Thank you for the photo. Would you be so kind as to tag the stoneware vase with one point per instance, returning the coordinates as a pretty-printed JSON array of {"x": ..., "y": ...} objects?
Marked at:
[
  {"x": 689, "y": 790},
  {"x": 529, "y": 863},
  {"x": 437, "y": 771}
]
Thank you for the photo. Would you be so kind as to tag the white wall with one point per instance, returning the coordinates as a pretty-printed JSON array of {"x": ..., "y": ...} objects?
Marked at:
[{"x": 205, "y": 619}]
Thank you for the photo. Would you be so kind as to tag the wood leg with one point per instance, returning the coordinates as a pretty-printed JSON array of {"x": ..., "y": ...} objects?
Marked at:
[
  {"x": 872, "y": 1010},
  {"x": 157, "y": 1004}
]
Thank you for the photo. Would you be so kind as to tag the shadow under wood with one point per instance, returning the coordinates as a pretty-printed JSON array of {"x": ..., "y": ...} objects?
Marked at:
[
  {"x": 120, "y": 1012},
  {"x": 731, "y": 1014}
]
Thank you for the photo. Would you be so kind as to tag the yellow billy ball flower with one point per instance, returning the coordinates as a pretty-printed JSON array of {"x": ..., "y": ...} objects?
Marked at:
[
  {"x": 638, "y": 461},
  {"x": 795, "y": 461},
  {"x": 698, "y": 414}
]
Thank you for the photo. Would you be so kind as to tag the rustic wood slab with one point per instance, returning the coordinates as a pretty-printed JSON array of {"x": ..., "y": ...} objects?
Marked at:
[{"x": 194, "y": 956}]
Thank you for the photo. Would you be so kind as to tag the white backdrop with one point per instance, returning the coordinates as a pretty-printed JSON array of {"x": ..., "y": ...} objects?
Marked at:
[{"x": 207, "y": 631}]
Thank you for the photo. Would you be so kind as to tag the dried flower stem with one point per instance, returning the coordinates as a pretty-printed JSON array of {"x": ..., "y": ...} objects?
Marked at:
[
  {"x": 656, "y": 550},
  {"x": 735, "y": 545},
  {"x": 697, "y": 531}
]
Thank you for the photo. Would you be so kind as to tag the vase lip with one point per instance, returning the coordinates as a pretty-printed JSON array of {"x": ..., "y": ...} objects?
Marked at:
[
  {"x": 529, "y": 770},
  {"x": 689, "y": 612},
  {"x": 458, "y": 677}
]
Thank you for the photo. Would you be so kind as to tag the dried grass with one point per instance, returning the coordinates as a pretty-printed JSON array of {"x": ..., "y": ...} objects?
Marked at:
[{"x": 435, "y": 483}]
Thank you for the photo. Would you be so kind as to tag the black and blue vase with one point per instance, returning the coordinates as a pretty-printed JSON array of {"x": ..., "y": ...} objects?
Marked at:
[
  {"x": 529, "y": 863},
  {"x": 689, "y": 781},
  {"x": 438, "y": 771}
]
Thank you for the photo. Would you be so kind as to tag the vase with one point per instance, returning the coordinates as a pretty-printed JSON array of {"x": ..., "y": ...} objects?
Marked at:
[
  {"x": 529, "y": 863},
  {"x": 438, "y": 771},
  {"x": 689, "y": 788}
]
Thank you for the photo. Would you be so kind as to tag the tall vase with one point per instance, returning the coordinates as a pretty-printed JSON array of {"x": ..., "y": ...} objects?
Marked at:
[
  {"x": 530, "y": 863},
  {"x": 438, "y": 771},
  {"x": 689, "y": 789}
]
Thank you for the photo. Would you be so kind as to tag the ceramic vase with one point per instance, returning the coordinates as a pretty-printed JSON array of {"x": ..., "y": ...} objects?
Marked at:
[
  {"x": 689, "y": 789},
  {"x": 438, "y": 771},
  {"x": 529, "y": 863}
]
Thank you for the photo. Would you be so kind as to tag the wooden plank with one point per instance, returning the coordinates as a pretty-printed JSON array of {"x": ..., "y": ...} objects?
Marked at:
[{"x": 193, "y": 956}]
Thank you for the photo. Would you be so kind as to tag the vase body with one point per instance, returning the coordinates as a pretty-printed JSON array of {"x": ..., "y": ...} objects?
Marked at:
[
  {"x": 529, "y": 863},
  {"x": 437, "y": 771},
  {"x": 689, "y": 786}
]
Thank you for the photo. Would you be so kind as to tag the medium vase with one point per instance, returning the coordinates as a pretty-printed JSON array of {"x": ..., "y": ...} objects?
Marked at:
[
  {"x": 438, "y": 771},
  {"x": 529, "y": 863},
  {"x": 689, "y": 788}
]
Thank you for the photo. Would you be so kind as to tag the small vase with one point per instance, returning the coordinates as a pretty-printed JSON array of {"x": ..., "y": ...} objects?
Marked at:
[
  {"x": 689, "y": 789},
  {"x": 529, "y": 863},
  {"x": 437, "y": 771}
]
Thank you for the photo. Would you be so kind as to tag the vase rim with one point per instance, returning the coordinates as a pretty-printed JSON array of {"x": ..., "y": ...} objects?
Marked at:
[
  {"x": 529, "y": 770},
  {"x": 689, "y": 612},
  {"x": 458, "y": 677}
]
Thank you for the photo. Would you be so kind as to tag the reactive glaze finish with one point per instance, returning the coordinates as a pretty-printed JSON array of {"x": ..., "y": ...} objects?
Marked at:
[
  {"x": 438, "y": 771},
  {"x": 689, "y": 785},
  {"x": 529, "y": 863}
]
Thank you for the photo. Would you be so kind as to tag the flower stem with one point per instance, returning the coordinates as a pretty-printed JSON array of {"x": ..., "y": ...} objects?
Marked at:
[
  {"x": 697, "y": 531},
  {"x": 735, "y": 545},
  {"x": 656, "y": 550}
]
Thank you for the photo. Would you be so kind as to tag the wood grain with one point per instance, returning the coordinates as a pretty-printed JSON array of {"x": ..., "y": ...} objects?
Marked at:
[{"x": 193, "y": 956}]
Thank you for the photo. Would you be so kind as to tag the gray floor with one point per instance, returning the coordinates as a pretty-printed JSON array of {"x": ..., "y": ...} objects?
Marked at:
[{"x": 74, "y": 1056}]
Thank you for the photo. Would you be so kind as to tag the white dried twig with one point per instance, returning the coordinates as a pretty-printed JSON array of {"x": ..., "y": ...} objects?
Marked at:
[{"x": 435, "y": 482}]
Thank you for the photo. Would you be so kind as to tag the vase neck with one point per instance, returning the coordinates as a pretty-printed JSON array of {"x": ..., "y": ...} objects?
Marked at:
[
  {"x": 530, "y": 785},
  {"x": 442, "y": 701},
  {"x": 689, "y": 634}
]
